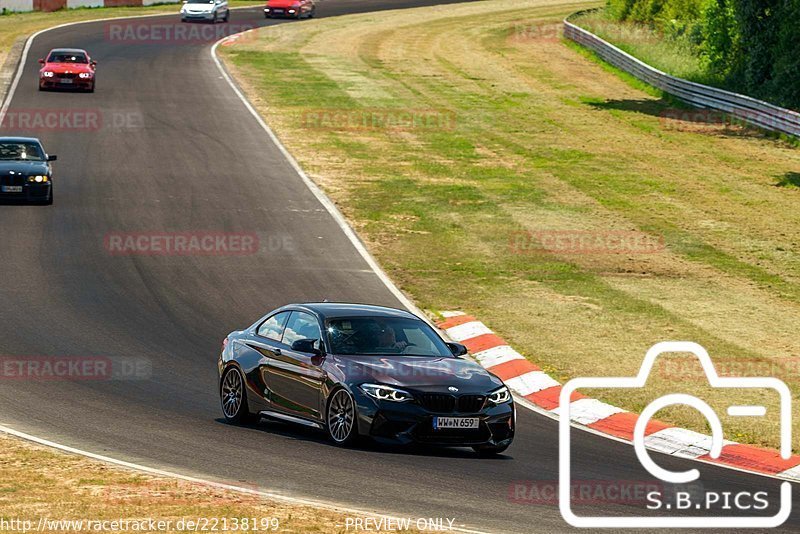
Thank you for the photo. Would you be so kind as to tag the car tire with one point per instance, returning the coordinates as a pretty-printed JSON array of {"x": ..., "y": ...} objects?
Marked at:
[
  {"x": 490, "y": 450},
  {"x": 341, "y": 418},
  {"x": 312, "y": 12},
  {"x": 233, "y": 398},
  {"x": 227, "y": 16}
]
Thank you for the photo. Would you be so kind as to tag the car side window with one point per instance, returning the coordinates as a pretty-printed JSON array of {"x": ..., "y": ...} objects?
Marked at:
[
  {"x": 302, "y": 325},
  {"x": 272, "y": 328}
]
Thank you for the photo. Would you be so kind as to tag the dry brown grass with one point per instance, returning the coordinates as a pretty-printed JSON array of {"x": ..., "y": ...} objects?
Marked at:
[{"x": 38, "y": 482}]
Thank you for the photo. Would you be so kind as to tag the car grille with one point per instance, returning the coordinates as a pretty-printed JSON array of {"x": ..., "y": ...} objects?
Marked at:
[
  {"x": 64, "y": 75},
  {"x": 442, "y": 403},
  {"x": 471, "y": 403},
  {"x": 438, "y": 403},
  {"x": 12, "y": 180}
]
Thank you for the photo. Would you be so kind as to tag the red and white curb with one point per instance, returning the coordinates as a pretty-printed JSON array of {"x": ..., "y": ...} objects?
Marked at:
[{"x": 528, "y": 381}]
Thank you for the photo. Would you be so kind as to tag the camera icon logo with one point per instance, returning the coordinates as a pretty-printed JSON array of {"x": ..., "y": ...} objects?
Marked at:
[{"x": 644, "y": 457}]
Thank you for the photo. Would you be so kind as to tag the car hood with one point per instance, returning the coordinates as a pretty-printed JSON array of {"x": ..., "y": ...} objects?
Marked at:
[
  {"x": 24, "y": 167},
  {"x": 422, "y": 373},
  {"x": 67, "y": 68},
  {"x": 282, "y": 3}
]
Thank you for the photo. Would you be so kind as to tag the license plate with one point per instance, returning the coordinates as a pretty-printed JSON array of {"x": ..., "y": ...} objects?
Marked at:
[
  {"x": 12, "y": 189},
  {"x": 278, "y": 10},
  {"x": 440, "y": 423},
  {"x": 65, "y": 80}
]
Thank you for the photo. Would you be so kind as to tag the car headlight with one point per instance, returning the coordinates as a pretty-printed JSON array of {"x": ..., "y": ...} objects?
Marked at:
[
  {"x": 47, "y": 74},
  {"x": 85, "y": 75},
  {"x": 387, "y": 393},
  {"x": 38, "y": 179},
  {"x": 500, "y": 396}
]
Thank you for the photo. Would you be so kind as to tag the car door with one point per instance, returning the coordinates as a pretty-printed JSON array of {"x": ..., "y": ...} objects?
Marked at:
[
  {"x": 265, "y": 340},
  {"x": 296, "y": 377}
]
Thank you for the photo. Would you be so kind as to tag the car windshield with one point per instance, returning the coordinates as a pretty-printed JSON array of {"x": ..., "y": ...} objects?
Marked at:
[
  {"x": 67, "y": 57},
  {"x": 371, "y": 336},
  {"x": 200, "y": 2},
  {"x": 20, "y": 151}
]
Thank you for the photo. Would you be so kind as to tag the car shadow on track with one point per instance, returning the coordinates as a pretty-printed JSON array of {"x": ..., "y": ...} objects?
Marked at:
[
  {"x": 18, "y": 202},
  {"x": 301, "y": 433}
]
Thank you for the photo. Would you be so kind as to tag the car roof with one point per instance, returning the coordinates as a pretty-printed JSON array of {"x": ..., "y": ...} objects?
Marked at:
[
  {"x": 343, "y": 309},
  {"x": 69, "y": 51},
  {"x": 19, "y": 140}
]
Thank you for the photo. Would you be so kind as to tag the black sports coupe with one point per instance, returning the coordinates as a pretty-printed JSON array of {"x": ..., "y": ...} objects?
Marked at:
[
  {"x": 363, "y": 371},
  {"x": 25, "y": 171}
]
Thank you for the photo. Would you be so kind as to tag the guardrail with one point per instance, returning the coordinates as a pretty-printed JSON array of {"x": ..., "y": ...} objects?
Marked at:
[{"x": 745, "y": 108}]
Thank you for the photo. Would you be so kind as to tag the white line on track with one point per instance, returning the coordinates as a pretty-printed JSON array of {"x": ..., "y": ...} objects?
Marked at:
[{"x": 314, "y": 188}]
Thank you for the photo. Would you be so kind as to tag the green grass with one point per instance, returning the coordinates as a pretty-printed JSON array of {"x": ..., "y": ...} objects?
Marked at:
[
  {"x": 545, "y": 138},
  {"x": 671, "y": 55}
]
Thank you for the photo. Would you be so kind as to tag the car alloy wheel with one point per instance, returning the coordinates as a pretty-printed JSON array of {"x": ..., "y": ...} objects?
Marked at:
[
  {"x": 342, "y": 417},
  {"x": 232, "y": 393},
  {"x": 234, "y": 398}
]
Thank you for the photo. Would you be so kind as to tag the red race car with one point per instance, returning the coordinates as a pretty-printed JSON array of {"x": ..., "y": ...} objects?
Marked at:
[
  {"x": 67, "y": 68},
  {"x": 295, "y": 9}
]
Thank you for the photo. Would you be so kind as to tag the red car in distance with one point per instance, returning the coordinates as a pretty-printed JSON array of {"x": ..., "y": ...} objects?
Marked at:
[
  {"x": 294, "y": 9},
  {"x": 67, "y": 68}
]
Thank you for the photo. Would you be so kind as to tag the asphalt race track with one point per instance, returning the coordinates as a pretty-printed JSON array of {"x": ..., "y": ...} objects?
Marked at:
[{"x": 177, "y": 151}]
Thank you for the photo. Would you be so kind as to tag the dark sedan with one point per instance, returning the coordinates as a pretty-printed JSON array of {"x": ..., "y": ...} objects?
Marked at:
[
  {"x": 363, "y": 371},
  {"x": 25, "y": 171}
]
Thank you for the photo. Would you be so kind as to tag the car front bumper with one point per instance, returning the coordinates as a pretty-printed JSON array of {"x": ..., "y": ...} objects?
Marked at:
[
  {"x": 31, "y": 192},
  {"x": 405, "y": 423},
  {"x": 284, "y": 13},
  {"x": 59, "y": 83},
  {"x": 198, "y": 16}
]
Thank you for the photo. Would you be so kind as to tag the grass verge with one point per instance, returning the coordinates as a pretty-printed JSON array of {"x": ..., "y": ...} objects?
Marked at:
[
  {"x": 448, "y": 134},
  {"x": 673, "y": 56},
  {"x": 39, "y": 484}
]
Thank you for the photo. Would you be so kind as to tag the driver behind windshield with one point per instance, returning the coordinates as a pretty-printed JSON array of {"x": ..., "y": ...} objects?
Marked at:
[
  {"x": 387, "y": 339},
  {"x": 20, "y": 152},
  {"x": 59, "y": 57}
]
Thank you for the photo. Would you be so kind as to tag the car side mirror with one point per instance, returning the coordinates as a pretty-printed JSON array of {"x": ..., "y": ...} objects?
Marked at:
[
  {"x": 41, "y": 62},
  {"x": 52, "y": 157},
  {"x": 93, "y": 63},
  {"x": 307, "y": 346},
  {"x": 457, "y": 349}
]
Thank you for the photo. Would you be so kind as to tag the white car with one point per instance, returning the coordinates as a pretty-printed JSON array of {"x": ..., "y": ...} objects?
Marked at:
[{"x": 205, "y": 10}]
